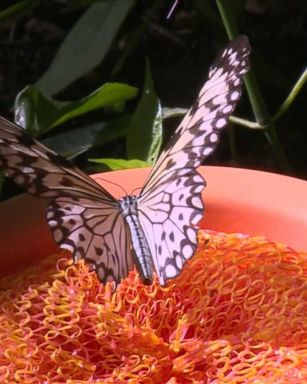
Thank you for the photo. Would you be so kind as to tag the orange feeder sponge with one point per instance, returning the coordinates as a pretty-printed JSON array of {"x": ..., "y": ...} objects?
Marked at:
[{"x": 236, "y": 314}]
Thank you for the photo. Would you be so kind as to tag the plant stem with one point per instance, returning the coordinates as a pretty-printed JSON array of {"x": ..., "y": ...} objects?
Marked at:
[
  {"x": 291, "y": 97},
  {"x": 245, "y": 123},
  {"x": 261, "y": 112}
]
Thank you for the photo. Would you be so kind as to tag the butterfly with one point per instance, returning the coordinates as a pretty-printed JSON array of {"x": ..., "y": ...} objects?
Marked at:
[{"x": 156, "y": 230}]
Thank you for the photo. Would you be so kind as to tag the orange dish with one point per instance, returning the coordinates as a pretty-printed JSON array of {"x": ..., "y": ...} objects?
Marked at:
[
  {"x": 236, "y": 314},
  {"x": 236, "y": 200}
]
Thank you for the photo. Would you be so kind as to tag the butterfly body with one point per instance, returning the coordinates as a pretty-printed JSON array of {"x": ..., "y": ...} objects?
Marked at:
[
  {"x": 140, "y": 248},
  {"x": 157, "y": 230}
]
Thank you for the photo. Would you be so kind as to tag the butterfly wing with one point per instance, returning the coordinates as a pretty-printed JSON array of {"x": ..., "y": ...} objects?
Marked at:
[
  {"x": 170, "y": 203},
  {"x": 93, "y": 231},
  {"x": 41, "y": 171},
  {"x": 169, "y": 215},
  {"x": 83, "y": 217}
]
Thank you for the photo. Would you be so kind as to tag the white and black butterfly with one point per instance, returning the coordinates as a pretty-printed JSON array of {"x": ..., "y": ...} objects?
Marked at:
[{"x": 156, "y": 230}]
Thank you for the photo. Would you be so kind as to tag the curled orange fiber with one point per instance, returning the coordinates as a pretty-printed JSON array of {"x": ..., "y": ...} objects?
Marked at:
[{"x": 236, "y": 314}]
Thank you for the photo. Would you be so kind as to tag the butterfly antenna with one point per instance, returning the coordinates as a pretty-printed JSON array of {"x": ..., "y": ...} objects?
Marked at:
[
  {"x": 135, "y": 189},
  {"x": 111, "y": 182}
]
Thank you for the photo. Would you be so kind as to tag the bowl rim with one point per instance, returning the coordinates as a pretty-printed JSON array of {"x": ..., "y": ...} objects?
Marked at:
[{"x": 236, "y": 200}]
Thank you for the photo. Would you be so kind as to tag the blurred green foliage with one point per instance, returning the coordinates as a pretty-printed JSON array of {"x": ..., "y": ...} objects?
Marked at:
[
  {"x": 104, "y": 36},
  {"x": 38, "y": 113}
]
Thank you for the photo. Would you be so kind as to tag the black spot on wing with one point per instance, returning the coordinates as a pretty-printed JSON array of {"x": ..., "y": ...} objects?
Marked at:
[
  {"x": 81, "y": 237},
  {"x": 66, "y": 182},
  {"x": 98, "y": 251}
]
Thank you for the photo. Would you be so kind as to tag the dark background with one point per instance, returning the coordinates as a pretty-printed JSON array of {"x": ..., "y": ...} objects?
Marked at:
[{"x": 180, "y": 50}]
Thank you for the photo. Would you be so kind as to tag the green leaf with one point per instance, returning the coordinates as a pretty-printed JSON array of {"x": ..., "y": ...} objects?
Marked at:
[
  {"x": 79, "y": 140},
  {"x": 115, "y": 164},
  {"x": 144, "y": 136},
  {"x": 86, "y": 45},
  {"x": 38, "y": 113}
]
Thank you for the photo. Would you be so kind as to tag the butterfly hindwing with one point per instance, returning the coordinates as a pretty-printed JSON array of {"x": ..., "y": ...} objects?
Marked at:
[
  {"x": 169, "y": 216},
  {"x": 94, "y": 232},
  {"x": 195, "y": 139}
]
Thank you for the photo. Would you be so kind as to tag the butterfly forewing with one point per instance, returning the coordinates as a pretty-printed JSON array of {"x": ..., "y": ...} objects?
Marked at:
[
  {"x": 40, "y": 171},
  {"x": 198, "y": 134},
  {"x": 173, "y": 189}
]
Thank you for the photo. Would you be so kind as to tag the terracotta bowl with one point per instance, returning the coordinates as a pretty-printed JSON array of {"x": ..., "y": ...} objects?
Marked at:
[{"x": 237, "y": 200}]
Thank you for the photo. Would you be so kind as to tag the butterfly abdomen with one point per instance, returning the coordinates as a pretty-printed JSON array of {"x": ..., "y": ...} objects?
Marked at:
[{"x": 142, "y": 254}]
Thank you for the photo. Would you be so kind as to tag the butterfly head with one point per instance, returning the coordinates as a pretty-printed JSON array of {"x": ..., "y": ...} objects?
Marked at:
[{"x": 128, "y": 205}]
